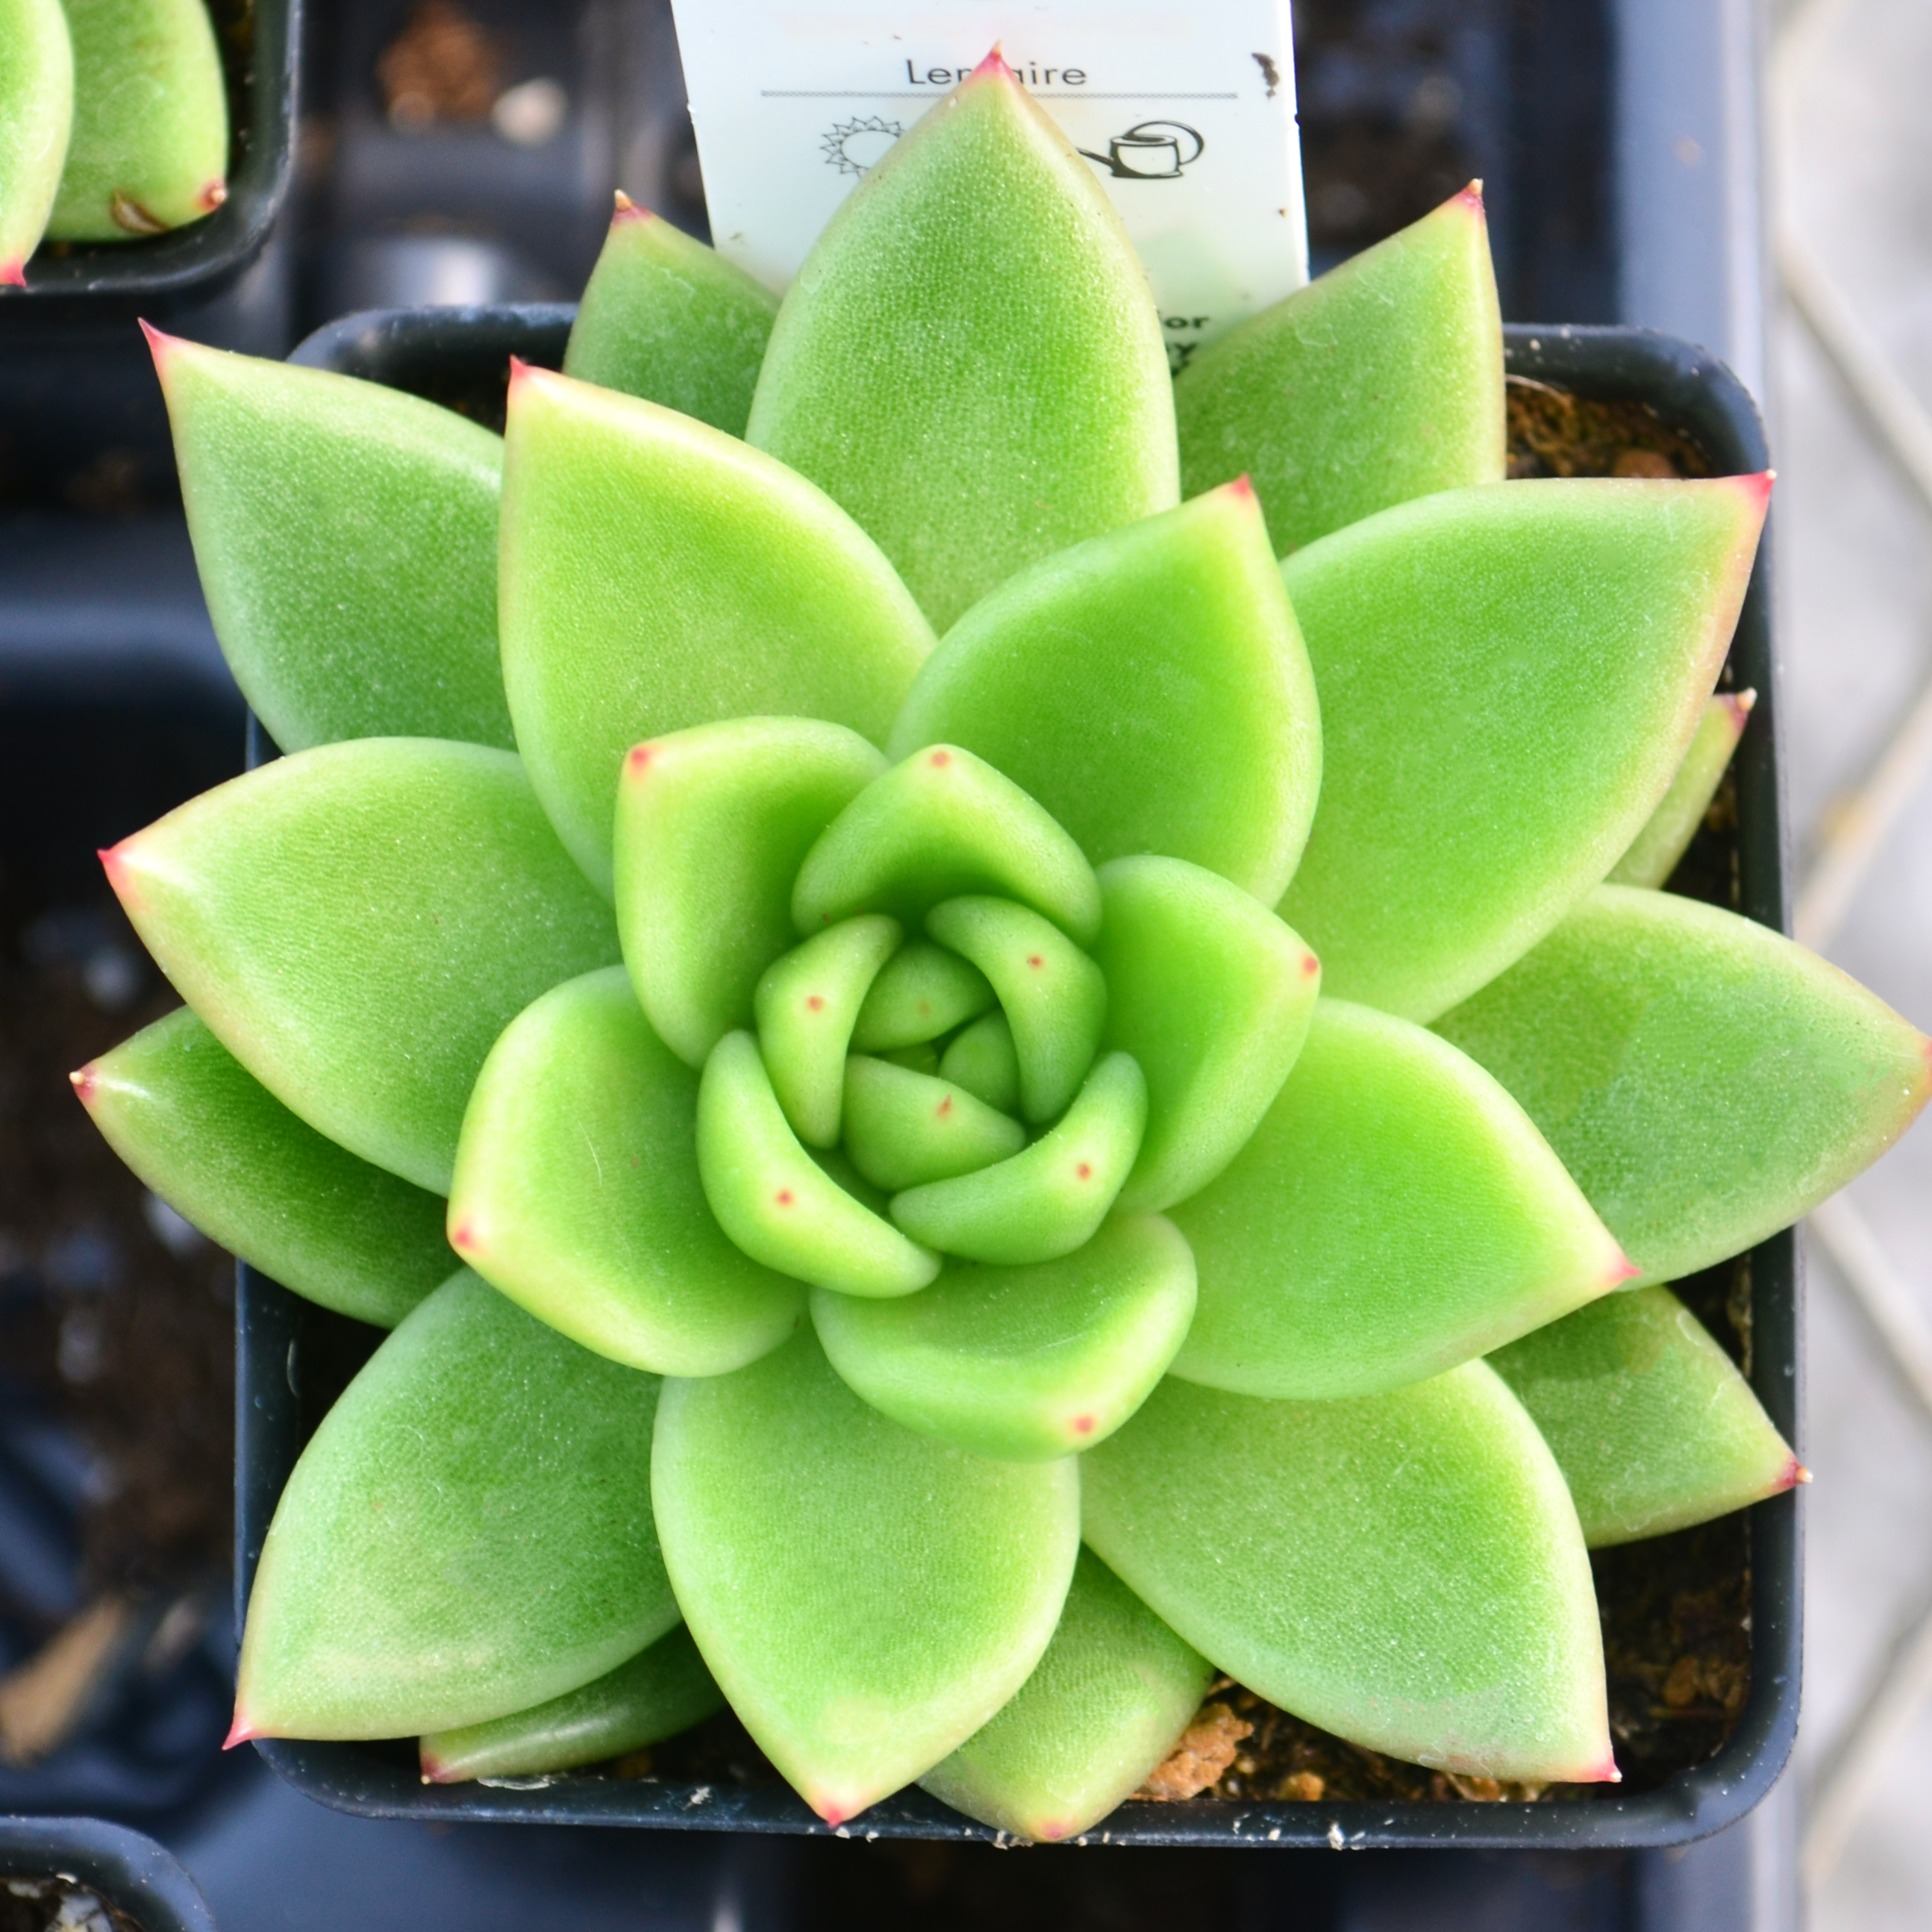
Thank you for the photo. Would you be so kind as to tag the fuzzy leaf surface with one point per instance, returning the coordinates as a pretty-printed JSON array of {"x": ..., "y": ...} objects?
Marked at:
[
  {"x": 36, "y": 112},
  {"x": 903, "y": 1129},
  {"x": 1667, "y": 833},
  {"x": 805, "y": 1005}
]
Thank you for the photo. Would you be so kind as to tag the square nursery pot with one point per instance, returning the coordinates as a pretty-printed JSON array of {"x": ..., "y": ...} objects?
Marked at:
[
  {"x": 260, "y": 42},
  {"x": 292, "y": 1357},
  {"x": 119, "y": 1867}
]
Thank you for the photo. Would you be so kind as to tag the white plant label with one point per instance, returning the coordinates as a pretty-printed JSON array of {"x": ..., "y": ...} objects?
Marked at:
[{"x": 1186, "y": 115}]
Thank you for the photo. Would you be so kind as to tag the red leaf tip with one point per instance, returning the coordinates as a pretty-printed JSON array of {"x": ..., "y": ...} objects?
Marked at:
[
  {"x": 160, "y": 345},
  {"x": 13, "y": 274},
  {"x": 627, "y": 210},
  {"x": 1793, "y": 1473},
  {"x": 82, "y": 1081},
  {"x": 993, "y": 67},
  {"x": 211, "y": 196},
  {"x": 1242, "y": 489},
  {"x": 1740, "y": 704},
  {"x": 242, "y": 1732},
  {"x": 1471, "y": 196},
  {"x": 1621, "y": 1270}
]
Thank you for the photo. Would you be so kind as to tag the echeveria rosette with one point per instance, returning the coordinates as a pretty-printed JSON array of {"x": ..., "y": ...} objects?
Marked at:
[{"x": 909, "y": 1049}]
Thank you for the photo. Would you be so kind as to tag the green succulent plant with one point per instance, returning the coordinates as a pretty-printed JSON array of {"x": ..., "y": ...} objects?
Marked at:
[{"x": 883, "y": 1087}]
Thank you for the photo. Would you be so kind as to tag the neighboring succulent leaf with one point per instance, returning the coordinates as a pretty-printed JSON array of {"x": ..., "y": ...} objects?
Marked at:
[
  {"x": 1023, "y": 1363},
  {"x": 346, "y": 534},
  {"x": 1053, "y": 996},
  {"x": 922, "y": 992},
  {"x": 1395, "y": 1213},
  {"x": 468, "y": 1534},
  {"x": 970, "y": 360},
  {"x": 1212, "y": 995},
  {"x": 1103, "y": 1706},
  {"x": 985, "y": 1061},
  {"x": 1666, "y": 835},
  {"x": 1382, "y": 381},
  {"x": 665, "y": 318},
  {"x": 1045, "y": 1202},
  {"x": 1149, "y": 688},
  {"x": 1652, "y": 1425},
  {"x": 940, "y": 823},
  {"x": 657, "y": 575},
  {"x": 904, "y": 1128},
  {"x": 805, "y": 1005},
  {"x": 660, "y": 1691},
  {"x": 148, "y": 149},
  {"x": 1706, "y": 1081},
  {"x": 1510, "y": 677},
  {"x": 36, "y": 112},
  {"x": 357, "y": 923},
  {"x": 1410, "y": 1573},
  {"x": 219, "y": 1148},
  {"x": 778, "y": 1203},
  {"x": 577, "y": 1193},
  {"x": 775, "y": 1489}
]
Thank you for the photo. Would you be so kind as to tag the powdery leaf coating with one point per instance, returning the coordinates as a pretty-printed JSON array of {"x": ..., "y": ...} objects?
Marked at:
[
  {"x": 970, "y": 360},
  {"x": 358, "y": 923},
  {"x": 36, "y": 112},
  {"x": 468, "y": 1534},
  {"x": 346, "y": 534},
  {"x": 1405, "y": 1570},
  {"x": 1666, "y": 835},
  {"x": 774, "y": 1488},
  {"x": 1650, "y": 1422},
  {"x": 1395, "y": 1213},
  {"x": 806, "y": 1005},
  {"x": 1509, "y": 677},
  {"x": 1212, "y": 994},
  {"x": 1705, "y": 1080},
  {"x": 922, "y": 992},
  {"x": 577, "y": 1193},
  {"x": 1023, "y": 1363},
  {"x": 985, "y": 1061},
  {"x": 1101, "y": 1708},
  {"x": 656, "y": 574},
  {"x": 665, "y": 318},
  {"x": 1149, "y": 688},
  {"x": 214, "y": 1144},
  {"x": 1382, "y": 381},
  {"x": 904, "y": 1128},
  {"x": 665, "y": 1689}
]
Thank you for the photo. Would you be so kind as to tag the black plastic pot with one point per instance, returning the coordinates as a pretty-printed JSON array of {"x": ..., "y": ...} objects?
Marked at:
[
  {"x": 289, "y": 1350},
  {"x": 120, "y": 1867}
]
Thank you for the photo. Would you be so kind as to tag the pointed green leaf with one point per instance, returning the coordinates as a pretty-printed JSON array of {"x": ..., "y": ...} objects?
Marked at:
[
  {"x": 1395, "y": 1213},
  {"x": 1149, "y": 688},
  {"x": 1382, "y": 381},
  {"x": 346, "y": 534},
  {"x": 1023, "y": 1363},
  {"x": 776, "y": 1202},
  {"x": 904, "y": 1128},
  {"x": 1105, "y": 1704},
  {"x": 1212, "y": 995},
  {"x": 970, "y": 360},
  {"x": 657, "y": 574},
  {"x": 577, "y": 1193},
  {"x": 1412, "y": 1575},
  {"x": 665, "y": 318},
  {"x": 922, "y": 992},
  {"x": 468, "y": 1534},
  {"x": 1046, "y": 1201},
  {"x": 1667, "y": 833},
  {"x": 1706, "y": 1081},
  {"x": 220, "y": 1149},
  {"x": 805, "y": 1005},
  {"x": 867, "y": 1597},
  {"x": 662, "y": 1690},
  {"x": 941, "y": 822},
  {"x": 1652, "y": 1425},
  {"x": 985, "y": 1061},
  {"x": 356, "y": 924},
  {"x": 1509, "y": 677},
  {"x": 36, "y": 112}
]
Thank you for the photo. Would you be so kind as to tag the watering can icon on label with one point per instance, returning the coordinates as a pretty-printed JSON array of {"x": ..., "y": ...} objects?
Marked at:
[{"x": 1153, "y": 150}]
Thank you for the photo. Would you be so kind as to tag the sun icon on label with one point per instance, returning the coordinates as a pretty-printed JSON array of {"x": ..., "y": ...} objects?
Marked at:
[{"x": 853, "y": 146}]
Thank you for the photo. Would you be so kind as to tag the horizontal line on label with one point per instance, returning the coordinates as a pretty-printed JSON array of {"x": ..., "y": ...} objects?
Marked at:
[{"x": 939, "y": 94}]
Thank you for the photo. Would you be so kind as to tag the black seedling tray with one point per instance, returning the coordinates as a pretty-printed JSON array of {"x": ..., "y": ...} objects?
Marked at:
[
  {"x": 291, "y": 1355},
  {"x": 122, "y": 1868}
]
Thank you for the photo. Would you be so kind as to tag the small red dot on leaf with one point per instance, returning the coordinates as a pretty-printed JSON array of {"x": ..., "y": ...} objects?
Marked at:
[
  {"x": 640, "y": 757},
  {"x": 814, "y": 1002},
  {"x": 784, "y": 1197},
  {"x": 1085, "y": 1171},
  {"x": 1034, "y": 959},
  {"x": 944, "y": 1107},
  {"x": 1084, "y": 1424},
  {"x": 1309, "y": 964},
  {"x": 940, "y": 758}
]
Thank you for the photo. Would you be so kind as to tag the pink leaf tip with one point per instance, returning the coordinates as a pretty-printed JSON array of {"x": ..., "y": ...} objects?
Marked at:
[
  {"x": 13, "y": 274},
  {"x": 83, "y": 1080},
  {"x": 1471, "y": 196},
  {"x": 627, "y": 210},
  {"x": 1621, "y": 1270},
  {"x": 161, "y": 345},
  {"x": 212, "y": 196},
  {"x": 1740, "y": 704},
  {"x": 242, "y": 1732},
  {"x": 1794, "y": 1473},
  {"x": 993, "y": 67},
  {"x": 1242, "y": 489}
]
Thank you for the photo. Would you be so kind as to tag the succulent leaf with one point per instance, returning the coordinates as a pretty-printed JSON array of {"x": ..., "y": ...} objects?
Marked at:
[
  {"x": 36, "y": 112},
  {"x": 1149, "y": 688},
  {"x": 805, "y": 1005},
  {"x": 357, "y": 923},
  {"x": 665, "y": 1689},
  {"x": 774, "y": 1487},
  {"x": 1395, "y": 1213},
  {"x": 1382, "y": 381},
  {"x": 346, "y": 534},
  {"x": 1667, "y": 833},
  {"x": 985, "y": 1061},
  {"x": 970, "y": 360},
  {"x": 665, "y": 318},
  {"x": 1212, "y": 994},
  {"x": 468, "y": 1534},
  {"x": 657, "y": 574},
  {"x": 1650, "y": 1422},
  {"x": 922, "y": 992},
  {"x": 904, "y": 1128},
  {"x": 215, "y": 1144},
  {"x": 1022, "y": 1364},
  {"x": 1705, "y": 1080},
  {"x": 1410, "y": 1573},
  {"x": 1510, "y": 677},
  {"x": 577, "y": 1193}
]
